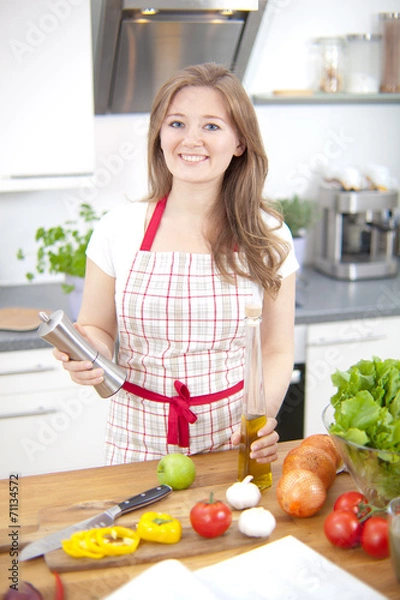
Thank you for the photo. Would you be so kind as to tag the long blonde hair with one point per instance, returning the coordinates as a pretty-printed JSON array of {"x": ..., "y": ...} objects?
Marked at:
[{"x": 237, "y": 216}]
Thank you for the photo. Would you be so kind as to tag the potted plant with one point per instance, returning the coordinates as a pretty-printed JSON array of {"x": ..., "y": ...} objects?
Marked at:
[
  {"x": 299, "y": 216},
  {"x": 62, "y": 249}
]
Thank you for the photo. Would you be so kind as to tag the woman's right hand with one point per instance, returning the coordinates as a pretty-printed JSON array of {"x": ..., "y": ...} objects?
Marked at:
[{"x": 82, "y": 371}]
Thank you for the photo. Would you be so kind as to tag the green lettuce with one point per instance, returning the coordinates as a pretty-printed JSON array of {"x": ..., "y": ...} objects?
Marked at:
[
  {"x": 367, "y": 413},
  {"x": 367, "y": 404}
]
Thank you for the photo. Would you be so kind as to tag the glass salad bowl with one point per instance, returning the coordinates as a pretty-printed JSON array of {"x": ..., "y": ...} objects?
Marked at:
[{"x": 376, "y": 473}]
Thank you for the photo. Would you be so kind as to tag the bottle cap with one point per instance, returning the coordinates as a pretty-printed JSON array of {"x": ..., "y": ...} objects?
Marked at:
[{"x": 253, "y": 310}]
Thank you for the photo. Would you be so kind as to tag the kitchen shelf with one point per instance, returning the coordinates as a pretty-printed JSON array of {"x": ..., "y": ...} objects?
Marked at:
[{"x": 322, "y": 98}]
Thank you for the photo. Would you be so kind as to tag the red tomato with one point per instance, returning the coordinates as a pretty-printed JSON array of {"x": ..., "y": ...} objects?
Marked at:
[
  {"x": 351, "y": 501},
  {"x": 210, "y": 518},
  {"x": 374, "y": 537},
  {"x": 343, "y": 529}
]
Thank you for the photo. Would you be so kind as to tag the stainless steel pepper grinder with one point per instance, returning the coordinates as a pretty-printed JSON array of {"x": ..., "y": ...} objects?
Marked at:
[{"x": 59, "y": 332}]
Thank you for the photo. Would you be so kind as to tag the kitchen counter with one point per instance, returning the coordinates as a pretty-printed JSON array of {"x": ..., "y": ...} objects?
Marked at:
[
  {"x": 48, "y": 297},
  {"x": 38, "y": 496},
  {"x": 319, "y": 299}
]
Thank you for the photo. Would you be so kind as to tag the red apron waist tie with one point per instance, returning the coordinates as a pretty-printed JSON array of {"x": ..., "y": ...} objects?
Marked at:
[{"x": 180, "y": 415}]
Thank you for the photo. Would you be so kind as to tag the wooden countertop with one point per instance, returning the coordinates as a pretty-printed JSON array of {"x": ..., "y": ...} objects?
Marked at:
[{"x": 217, "y": 470}]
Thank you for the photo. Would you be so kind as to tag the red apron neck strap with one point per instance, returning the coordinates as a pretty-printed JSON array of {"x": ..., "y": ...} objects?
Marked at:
[{"x": 153, "y": 225}]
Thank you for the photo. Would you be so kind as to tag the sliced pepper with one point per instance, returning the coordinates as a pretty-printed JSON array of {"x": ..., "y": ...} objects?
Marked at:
[
  {"x": 77, "y": 546},
  {"x": 102, "y": 541},
  {"x": 115, "y": 541},
  {"x": 159, "y": 527}
]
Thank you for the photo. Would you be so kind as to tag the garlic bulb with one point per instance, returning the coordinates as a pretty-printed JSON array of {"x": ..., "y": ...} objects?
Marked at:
[
  {"x": 243, "y": 494},
  {"x": 257, "y": 522}
]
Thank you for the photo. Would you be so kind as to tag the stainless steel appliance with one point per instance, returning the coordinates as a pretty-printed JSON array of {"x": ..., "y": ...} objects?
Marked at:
[
  {"x": 137, "y": 48},
  {"x": 355, "y": 237}
]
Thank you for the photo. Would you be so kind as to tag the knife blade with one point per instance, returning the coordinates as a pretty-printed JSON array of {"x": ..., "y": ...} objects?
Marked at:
[{"x": 104, "y": 519}]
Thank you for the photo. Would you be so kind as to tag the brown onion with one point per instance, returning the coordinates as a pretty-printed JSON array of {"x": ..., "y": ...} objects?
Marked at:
[
  {"x": 300, "y": 493},
  {"x": 312, "y": 459},
  {"x": 325, "y": 442}
]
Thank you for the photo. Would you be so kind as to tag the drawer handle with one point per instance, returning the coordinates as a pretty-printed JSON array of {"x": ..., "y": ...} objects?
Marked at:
[
  {"x": 29, "y": 413},
  {"x": 22, "y": 371},
  {"x": 355, "y": 340}
]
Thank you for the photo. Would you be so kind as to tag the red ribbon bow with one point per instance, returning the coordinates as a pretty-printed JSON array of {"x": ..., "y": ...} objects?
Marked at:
[{"x": 180, "y": 414}]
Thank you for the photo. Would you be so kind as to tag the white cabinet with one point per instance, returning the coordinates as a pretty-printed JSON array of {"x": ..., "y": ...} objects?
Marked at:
[
  {"x": 47, "y": 423},
  {"x": 46, "y": 102},
  {"x": 338, "y": 345}
]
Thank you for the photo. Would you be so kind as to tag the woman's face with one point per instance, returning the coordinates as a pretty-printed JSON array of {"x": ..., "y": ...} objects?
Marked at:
[{"x": 197, "y": 138}]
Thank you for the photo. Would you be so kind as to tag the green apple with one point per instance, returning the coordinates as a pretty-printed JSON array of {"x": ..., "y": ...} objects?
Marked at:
[{"x": 176, "y": 470}]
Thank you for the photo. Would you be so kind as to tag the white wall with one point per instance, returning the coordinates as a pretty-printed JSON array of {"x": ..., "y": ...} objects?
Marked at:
[{"x": 299, "y": 139}]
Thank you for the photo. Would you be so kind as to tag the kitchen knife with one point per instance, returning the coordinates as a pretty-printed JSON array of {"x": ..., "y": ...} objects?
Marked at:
[{"x": 104, "y": 519}]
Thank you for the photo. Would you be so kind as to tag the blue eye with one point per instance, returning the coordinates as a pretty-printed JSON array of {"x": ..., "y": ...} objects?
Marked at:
[
  {"x": 212, "y": 127},
  {"x": 176, "y": 124}
]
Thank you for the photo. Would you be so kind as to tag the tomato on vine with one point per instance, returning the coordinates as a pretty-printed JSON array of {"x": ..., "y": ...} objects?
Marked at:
[
  {"x": 354, "y": 501},
  {"x": 353, "y": 523},
  {"x": 343, "y": 529},
  {"x": 375, "y": 537}
]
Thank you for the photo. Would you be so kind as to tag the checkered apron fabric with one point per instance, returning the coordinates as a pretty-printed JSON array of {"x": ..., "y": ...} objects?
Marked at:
[{"x": 179, "y": 321}]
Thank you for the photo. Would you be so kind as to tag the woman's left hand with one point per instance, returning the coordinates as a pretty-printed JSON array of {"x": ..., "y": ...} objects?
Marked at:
[{"x": 265, "y": 449}]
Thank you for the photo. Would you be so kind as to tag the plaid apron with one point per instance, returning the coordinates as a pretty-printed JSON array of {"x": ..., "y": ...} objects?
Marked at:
[{"x": 182, "y": 344}]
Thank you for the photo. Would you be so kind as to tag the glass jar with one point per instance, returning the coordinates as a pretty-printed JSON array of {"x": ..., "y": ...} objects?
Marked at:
[
  {"x": 363, "y": 63},
  {"x": 330, "y": 64},
  {"x": 390, "y": 78}
]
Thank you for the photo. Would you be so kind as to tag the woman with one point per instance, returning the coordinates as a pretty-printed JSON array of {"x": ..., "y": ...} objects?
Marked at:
[{"x": 169, "y": 278}]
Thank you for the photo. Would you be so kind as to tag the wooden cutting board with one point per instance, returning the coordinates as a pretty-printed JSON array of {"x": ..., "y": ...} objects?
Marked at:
[
  {"x": 19, "y": 319},
  {"x": 178, "y": 505}
]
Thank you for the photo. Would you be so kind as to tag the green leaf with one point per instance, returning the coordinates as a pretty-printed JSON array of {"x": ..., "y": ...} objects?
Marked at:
[
  {"x": 298, "y": 214},
  {"x": 62, "y": 248},
  {"x": 367, "y": 403},
  {"x": 361, "y": 411},
  {"x": 357, "y": 436}
]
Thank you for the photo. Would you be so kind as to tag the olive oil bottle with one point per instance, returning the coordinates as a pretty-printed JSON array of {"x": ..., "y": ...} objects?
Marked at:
[{"x": 254, "y": 413}]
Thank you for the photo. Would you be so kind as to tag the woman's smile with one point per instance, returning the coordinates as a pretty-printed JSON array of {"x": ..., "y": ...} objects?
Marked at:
[{"x": 193, "y": 158}]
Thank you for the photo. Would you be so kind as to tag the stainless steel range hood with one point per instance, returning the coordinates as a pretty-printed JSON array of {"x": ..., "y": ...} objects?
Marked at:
[{"x": 136, "y": 48}]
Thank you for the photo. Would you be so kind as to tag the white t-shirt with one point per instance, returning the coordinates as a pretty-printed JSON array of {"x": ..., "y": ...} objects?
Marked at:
[{"x": 118, "y": 236}]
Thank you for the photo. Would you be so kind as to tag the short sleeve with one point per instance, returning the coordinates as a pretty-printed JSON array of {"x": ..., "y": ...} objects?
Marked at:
[
  {"x": 116, "y": 237},
  {"x": 290, "y": 264}
]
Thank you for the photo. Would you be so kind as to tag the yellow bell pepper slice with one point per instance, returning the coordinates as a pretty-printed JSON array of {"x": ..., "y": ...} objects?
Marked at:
[
  {"x": 115, "y": 541},
  {"x": 101, "y": 542},
  {"x": 159, "y": 527},
  {"x": 80, "y": 544}
]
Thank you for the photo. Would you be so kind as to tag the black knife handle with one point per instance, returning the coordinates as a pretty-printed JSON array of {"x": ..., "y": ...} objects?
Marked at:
[{"x": 145, "y": 498}]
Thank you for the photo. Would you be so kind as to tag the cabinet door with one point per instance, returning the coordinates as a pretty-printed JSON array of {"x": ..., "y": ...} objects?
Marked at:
[
  {"x": 47, "y": 423},
  {"x": 31, "y": 371},
  {"x": 332, "y": 346},
  {"x": 46, "y": 101},
  {"x": 52, "y": 431}
]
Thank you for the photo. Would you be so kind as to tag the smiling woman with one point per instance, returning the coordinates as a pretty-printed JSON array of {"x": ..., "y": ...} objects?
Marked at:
[{"x": 178, "y": 270}]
